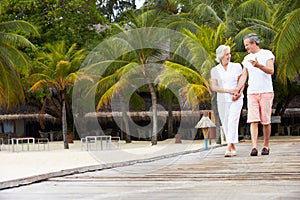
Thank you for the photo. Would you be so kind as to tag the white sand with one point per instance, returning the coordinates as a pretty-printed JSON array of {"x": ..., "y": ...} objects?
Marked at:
[{"x": 22, "y": 164}]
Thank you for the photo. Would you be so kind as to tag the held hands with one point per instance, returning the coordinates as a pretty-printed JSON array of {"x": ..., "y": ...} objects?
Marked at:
[{"x": 235, "y": 94}]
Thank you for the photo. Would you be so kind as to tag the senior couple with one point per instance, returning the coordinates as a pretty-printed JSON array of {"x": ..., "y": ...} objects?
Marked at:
[{"x": 228, "y": 79}]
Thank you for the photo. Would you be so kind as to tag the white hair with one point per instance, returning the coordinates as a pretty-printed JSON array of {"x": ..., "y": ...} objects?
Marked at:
[
  {"x": 220, "y": 51},
  {"x": 252, "y": 37}
]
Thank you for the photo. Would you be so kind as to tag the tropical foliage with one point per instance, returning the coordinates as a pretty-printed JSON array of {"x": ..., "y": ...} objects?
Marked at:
[
  {"x": 14, "y": 64},
  {"x": 77, "y": 21},
  {"x": 55, "y": 71}
]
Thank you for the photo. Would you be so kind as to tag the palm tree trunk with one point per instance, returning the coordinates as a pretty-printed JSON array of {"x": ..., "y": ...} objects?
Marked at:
[
  {"x": 127, "y": 131},
  {"x": 125, "y": 120},
  {"x": 64, "y": 121},
  {"x": 170, "y": 118},
  {"x": 154, "y": 103},
  {"x": 154, "y": 113},
  {"x": 170, "y": 114},
  {"x": 216, "y": 114}
]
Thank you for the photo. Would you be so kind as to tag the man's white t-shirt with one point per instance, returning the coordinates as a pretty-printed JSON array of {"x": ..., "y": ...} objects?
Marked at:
[
  {"x": 259, "y": 81},
  {"x": 227, "y": 79}
]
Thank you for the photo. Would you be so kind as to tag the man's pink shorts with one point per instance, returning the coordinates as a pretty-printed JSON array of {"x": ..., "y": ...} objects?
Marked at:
[{"x": 260, "y": 107}]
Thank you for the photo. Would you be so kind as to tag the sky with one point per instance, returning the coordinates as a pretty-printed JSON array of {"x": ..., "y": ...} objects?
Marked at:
[{"x": 139, "y": 3}]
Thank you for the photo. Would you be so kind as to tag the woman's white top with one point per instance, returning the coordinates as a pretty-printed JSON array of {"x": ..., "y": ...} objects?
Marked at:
[{"x": 227, "y": 79}]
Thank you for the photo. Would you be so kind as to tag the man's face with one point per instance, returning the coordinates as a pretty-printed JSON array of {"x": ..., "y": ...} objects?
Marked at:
[{"x": 249, "y": 46}]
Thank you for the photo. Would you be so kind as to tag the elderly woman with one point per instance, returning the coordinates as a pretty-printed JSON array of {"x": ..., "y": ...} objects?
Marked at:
[{"x": 224, "y": 79}]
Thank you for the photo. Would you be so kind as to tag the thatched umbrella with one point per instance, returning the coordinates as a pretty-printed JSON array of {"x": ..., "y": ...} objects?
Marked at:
[{"x": 205, "y": 123}]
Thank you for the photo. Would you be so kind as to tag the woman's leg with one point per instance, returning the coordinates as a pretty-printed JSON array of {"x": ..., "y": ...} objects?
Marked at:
[
  {"x": 223, "y": 109},
  {"x": 233, "y": 124},
  {"x": 233, "y": 121}
]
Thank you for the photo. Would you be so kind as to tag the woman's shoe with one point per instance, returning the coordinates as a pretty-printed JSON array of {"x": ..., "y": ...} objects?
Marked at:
[
  {"x": 227, "y": 154},
  {"x": 233, "y": 153}
]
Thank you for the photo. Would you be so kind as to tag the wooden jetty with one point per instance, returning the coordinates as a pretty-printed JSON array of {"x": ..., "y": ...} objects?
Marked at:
[{"x": 200, "y": 175}]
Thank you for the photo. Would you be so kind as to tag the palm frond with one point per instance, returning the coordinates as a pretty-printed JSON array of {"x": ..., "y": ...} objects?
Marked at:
[
  {"x": 198, "y": 46},
  {"x": 15, "y": 40},
  {"x": 189, "y": 74},
  {"x": 11, "y": 90},
  {"x": 206, "y": 15},
  {"x": 71, "y": 78},
  {"x": 16, "y": 25},
  {"x": 14, "y": 59},
  {"x": 106, "y": 82},
  {"x": 136, "y": 101},
  {"x": 257, "y": 9},
  {"x": 287, "y": 47},
  {"x": 38, "y": 85},
  {"x": 150, "y": 18},
  {"x": 182, "y": 23},
  {"x": 129, "y": 69},
  {"x": 238, "y": 39},
  {"x": 288, "y": 37},
  {"x": 170, "y": 77},
  {"x": 282, "y": 9},
  {"x": 62, "y": 69},
  {"x": 195, "y": 94},
  {"x": 106, "y": 97}
]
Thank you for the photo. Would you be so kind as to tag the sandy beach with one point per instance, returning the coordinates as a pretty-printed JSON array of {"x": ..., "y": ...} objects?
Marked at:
[{"x": 22, "y": 165}]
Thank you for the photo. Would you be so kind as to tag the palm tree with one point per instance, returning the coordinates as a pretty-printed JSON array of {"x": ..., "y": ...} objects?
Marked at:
[
  {"x": 112, "y": 86},
  {"x": 209, "y": 24},
  {"x": 13, "y": 62},
  {"x": 202, "y": 47},
  {"x": 277, "y": 25},
  {"x": 286, "y": 43},
  {"x": 141, "y": 58},
  {"x": 56, "y": 70}
]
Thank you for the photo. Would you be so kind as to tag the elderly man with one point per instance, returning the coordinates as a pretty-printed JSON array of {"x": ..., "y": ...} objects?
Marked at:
[{"x": 259, "y": 65}]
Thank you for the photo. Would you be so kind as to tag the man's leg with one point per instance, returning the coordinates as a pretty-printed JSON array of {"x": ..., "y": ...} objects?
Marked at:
[
  {"x": 253, "y": 118},
  {"x": 266, "y": 112},
  {"x": 267, "y": 134},
  {"x": 254, "y": 133}
]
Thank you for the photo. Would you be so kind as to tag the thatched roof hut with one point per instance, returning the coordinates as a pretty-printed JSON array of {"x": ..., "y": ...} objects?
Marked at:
[
  {"x": 146, "y": 114},
  {"x": 189, "y": 118},
  {"x": 35, "y": 116},
  {"x": 23, "y": 112},
  {"x": 23, "y": 121}
]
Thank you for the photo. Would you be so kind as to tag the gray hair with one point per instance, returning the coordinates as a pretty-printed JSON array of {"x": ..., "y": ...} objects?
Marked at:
[
  {"x": 220, "y": 51},
  {"x": 252, "y": 37}
]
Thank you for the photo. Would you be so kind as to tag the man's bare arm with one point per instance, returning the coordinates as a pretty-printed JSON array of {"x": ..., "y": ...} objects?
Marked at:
[
  {"x": 242, "y": 80},
  {"x": 269, "y": 69}
]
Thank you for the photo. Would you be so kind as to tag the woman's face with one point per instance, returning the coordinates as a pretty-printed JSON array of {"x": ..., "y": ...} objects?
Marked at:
[{"x": 226, "y": 58}]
